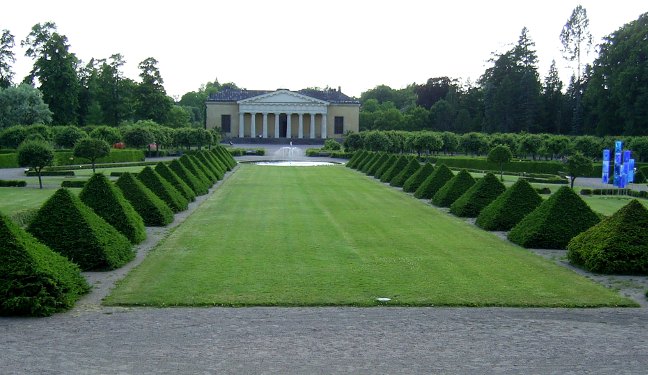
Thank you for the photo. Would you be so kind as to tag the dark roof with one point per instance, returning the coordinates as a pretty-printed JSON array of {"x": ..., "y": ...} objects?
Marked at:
[{"x": 329, "y": 95}]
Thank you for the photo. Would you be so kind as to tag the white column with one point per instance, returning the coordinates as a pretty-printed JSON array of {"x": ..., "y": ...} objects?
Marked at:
[
  {"x": 241, "y": 124},
  {"x": 301, "y": 125},
  {"x": 265, "y": 125},
  {"x": 289, "y": 127},
  {"x": 277, "y": 124},
  {"x": 253, "y": 125},
  {"x": 323, "y": 125},
  {"x": 312, "y": 126}
]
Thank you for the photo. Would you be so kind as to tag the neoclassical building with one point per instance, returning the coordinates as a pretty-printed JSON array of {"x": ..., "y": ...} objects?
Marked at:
[{"x": 303, "y": 114}]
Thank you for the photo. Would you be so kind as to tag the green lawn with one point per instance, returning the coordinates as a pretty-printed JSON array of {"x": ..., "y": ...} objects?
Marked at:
[{"x": 331, "y": 236}]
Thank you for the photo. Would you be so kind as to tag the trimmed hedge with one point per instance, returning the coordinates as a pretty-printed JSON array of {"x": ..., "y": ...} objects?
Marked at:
[
  {"x": 480, "y": 195},
  {"x": 73, "y": 230},
  {"x": 401, "y": 176},
  {"x": 116, "y": 156},
  {"x": 9, "y": 160},
  {"x": 73, "y": 184},
  {"x": 384, "y": 167},
  {"x": 13, "y": 183},
  {"x": 50, "y": 173},
  {"x": 434, "y": 182},
  {"x": 246, "y": 151},
  {"x": 528, "y": 166},
  {"x": 372, "y": 166},
  {"x": 218, "y": 170},
  {"x": 108, "y": 202},
  {"x": 152, "y": 209},
  {"x": 163, "y": 189},
  {"x": 354, "y": 159},
  {"x": 368, "y": 158},
  {"x": 556, "y": 221},
  {"x": 99, "y": 166},
  {"x": 510, "y": 207},
  {"x": 616, "y": 245},
  {"x": 206, "y": 170},
  {"x": 195, "y": 170},
  {"x": 396, "y": 167},
  {"x": 225, "y": 156},
  {"x": 416, "y": 179},
  {"x": 185, "y": 175},
  {"x": 222, "y": 168},
  {"x": 34, "y": 280},
  {"x": 165, "y": 172},
  {"x": 453, "y": 189}
]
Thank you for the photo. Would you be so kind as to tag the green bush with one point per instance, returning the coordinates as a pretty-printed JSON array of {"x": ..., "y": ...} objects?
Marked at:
[
  {"x": 372, "y": 166},
  {"x": 152, "y": 209},
  {"x": 9, "y": 160},
  {"x": 115, "y": 156},
  {"x": 332, "y": 144},
  {"x": 509, "y": 208},
  {"x": 358, "y": 155},
  {"x": 402, "y": 175},
  {"x": 384, "y": 167},
  {"x": 108, "y": 202},
  {"x": 24, "y": 217},
  {"x": 586, "y": 192},
  {"x": 225, "y": 156},
  {"x": 185, "y": 175},
  {"x": 13, "y": 183},
  {"x": 50, "y": 173},
  {"x": 543, "y": 190},
  {"x": 616, "y": 245},
  {"x": 367, "y": 159},
  {"x": 163, "y": 189},
  {"x": 453, "y": 189},
  {"x": 222, "y": 168},
  {"x": 434, "y": 182},
  {"x": 99, "y": 166},
  {"x": 73, "y": 230},
  {"x": 341, "y": 155},
  {"x": 415, "y": 180},
  {"x": 556, "y": 221},
  {"x": 480, "y": 195},
  {"x": 165, "y": 172},
  {"x": 34, "y": 280},
  {"x": 73, "y": 184},
  {"x": 396, "y": 167},
  {"x": 528, "y": 166},
  {"x": 206, "y": 170},
  {"x": 195, "y": 170},
  {"x": 217, "y": 170},
  {"x": 551, "y": 180}
]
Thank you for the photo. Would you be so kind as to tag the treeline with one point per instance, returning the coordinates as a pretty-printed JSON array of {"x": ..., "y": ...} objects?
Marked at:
[{"x": 523, "y": 145}]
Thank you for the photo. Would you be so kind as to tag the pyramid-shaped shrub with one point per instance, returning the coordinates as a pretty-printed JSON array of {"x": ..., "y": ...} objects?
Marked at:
[
  {"x": 225, "y": 156},
  {"x": 354, "y": 159},
  {"x": 216, "y": 160},
  {"x": 616, "y": 245},
  {"x": 73, "y": 230},
  {"x": 415, "y": 180},
  {"x": 107, "y": 201},
  {"x": 371, "y": 158},
  {"x": 510, "y": 207},
  {"x": 34, "y": 280},
  {"x": 380, "y": 159},
  {"x": 412, "y": 166},
  {"x": 193, "y": 168},
  {"x": 400, "y": 163},
  {"x": 163, "y": 189},
  {"x": 360, "y": 164},
  {"x": 208, "y": 159},
  {"x": 384, "y": 167},
  {"x": 152, "y": 209},
  {"x": 556, "y": 221},
  {"x": 165, "y": 172},
  {"x": 482, "y": 193},
  {"x": 434, "y": 182},
  {"x": 453, "y": 189},
  {"x": 205, "y": 167},
  {"x": 185, "y": 175}
]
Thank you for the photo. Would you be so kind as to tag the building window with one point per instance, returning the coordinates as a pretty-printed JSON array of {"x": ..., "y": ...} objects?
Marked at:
[
  {"x": 339, "y": 125},
  {"x": 226, "y": 123}
]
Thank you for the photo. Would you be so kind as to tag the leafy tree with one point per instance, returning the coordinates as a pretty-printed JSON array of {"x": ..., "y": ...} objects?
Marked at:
[
  {"x": 106, "y": 133},
  {"x": 473, "y": 143},
  {"x": 531, "y": 144},
  {"x": 556, "y": 146},
  {"x": 178, "y": 117},
  {"x": 137, "y": 136},
  {"x": 578, "y": 166},
  {"x": 432, "y": 91},
  {"x": 13, "y": 136},
  {"x": 7, "y": 57},
  {"x": 353, "y": 142},
  {"x": 416, "y": 118},
  {"x": 23, "y": 105},
  {"x": 576, "y": 38},
  {"x": 588, "y": 145},
  {"x": 37, "y": 155},
  {"x": 442, "y": 116},
  {"x": 428, "y": 142},
  {"x": 552, "y": 101},
  {"x": 451, "y": 142},
  {"x": 68, "y": 136},
  {"x": 500, "y": 154},
  {"x": 91, "y": 149},
  {"x": 377, "y": 141},
  {"x": 152, "y": 100}
]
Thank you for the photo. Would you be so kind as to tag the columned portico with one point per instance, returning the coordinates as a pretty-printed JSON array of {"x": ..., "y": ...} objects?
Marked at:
[
  {"x": 265, "y": 125},
  {"x": 276, "y": 128},
  {"x": 324, "y": 130},
  {"x": 312, "y": 126}
]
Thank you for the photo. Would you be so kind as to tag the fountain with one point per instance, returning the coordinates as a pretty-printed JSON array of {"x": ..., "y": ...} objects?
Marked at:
[{"x": 290, "y": 156}]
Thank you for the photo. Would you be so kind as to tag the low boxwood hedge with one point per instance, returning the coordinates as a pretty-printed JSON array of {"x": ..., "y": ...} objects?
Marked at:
[
  {"x": 73, "y": 183},
  {"x": 434, "y": 182},
  {"x": 152, "y": 209},
  {"x": 163, "y": 189},
  {"x": 417, "y": 178},
  {"x": 73, "y": 230},
  {"x": 510, "y": 207},
  {"x": 165, "y": 172},
  {"x": 50, "y": 173},
  {"x": 13, "y": 183},
  {"x": 116, "y": 156},
  {"x": 480, "y": 195},
  {"x": 34, "y": 280},
  {"x": 453, "y": 189}
]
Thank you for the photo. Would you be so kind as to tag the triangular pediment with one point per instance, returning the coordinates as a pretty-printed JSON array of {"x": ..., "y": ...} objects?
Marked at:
[{"x": 282, "y": 96}]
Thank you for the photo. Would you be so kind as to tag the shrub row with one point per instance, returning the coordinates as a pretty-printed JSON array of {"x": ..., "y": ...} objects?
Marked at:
[
  {"x": 152, "y": 209},
  {"x": 50, "y": 173},
  {"x": 73, "y": 184},
  {"x": 13, "y": 183},
  {"x": 246, "y": 151},
  {"x": 163, "y": 189},
  {"x": 115, "y": 156},
  {"x": 100, "y": 166},
  {"x": 9, "y": 160}
]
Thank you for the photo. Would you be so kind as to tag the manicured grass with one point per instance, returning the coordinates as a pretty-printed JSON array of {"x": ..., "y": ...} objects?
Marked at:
[
  {"x": 331, "y": 236},
  {"x": 608, "y": 205},
  {"x": 13, "y": 200}
]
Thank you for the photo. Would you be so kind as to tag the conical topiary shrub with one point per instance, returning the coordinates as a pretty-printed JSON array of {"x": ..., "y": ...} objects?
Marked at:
[
  {"x": 434, "y": 182},
  {"x": 165, "y": 172},
  {"x": 400, "y": 163},
  {"x": 354, "y": 159},
  {"x": 211, "y": 176},
  {"x": 189, "y": 163},
  {"x": 216, "y": 167},
  {"x": 416, "y": 179},
  {"x": 483, "y": 192},
  {"x": 510, "y": 207},
  {"x": 384, "y": 167},
  {"x": 151, "y": 208},
  {"x": 556, "y": 221},
  {"x": 366, "y": 161},
  {"x": 107, "y": 201},
  {"x": 225, "y": 156},
  {"x": 185, "y": 175},
  {"x": 377, "y": 162},
  {"x": 34, "y": 280},
  {"x": 73, "y": 230},
  {"x": 163, "y": 189},
  {"x": 412, "y": 166},
  {"x": 616, "y": 245},
  {"x": 453, "y": 189}
]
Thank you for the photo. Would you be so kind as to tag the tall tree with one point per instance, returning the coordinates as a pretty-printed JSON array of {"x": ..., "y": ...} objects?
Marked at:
[
  {"x": 55, "y": 69},
  {"x": 115, "y": 92},
  {"x": 23, "y": 105},
  {"x": 7, "y": 58},
  {"x": 152, "y": 100},
  {"x": 576, "y": 38},
  {"x": 552, "y": 101}
]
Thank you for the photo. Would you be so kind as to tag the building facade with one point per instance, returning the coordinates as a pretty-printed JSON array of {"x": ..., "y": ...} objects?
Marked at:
[{"x": 304, "y": 114}]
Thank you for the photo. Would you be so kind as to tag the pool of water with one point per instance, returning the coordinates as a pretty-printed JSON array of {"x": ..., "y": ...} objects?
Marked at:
[{"x": 295, "y": 163}]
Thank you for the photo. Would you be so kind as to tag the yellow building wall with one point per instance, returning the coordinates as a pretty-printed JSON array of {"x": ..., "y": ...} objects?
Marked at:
[
  {"x": 351, "y": 114},
  {"x": 214, "y": 112}
]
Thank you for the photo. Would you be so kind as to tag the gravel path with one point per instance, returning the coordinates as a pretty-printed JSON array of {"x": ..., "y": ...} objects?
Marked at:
[{"x": 93, "y": 339}]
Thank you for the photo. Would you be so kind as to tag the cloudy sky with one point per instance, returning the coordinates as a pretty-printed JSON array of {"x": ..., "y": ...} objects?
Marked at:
[{"x": 296, "y": 44}]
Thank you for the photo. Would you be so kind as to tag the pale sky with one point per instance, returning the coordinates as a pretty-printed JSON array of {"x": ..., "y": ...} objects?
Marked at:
[{"x": 266, "y": 45}]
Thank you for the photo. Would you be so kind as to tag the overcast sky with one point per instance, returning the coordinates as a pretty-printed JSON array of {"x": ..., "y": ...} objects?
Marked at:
[{"x": 296, "y": 44}]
